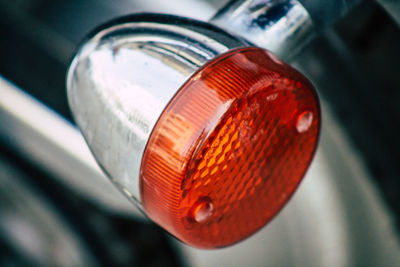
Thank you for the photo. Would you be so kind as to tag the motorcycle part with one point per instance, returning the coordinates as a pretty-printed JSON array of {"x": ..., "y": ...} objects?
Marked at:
[{"x": 213, "y": 161}]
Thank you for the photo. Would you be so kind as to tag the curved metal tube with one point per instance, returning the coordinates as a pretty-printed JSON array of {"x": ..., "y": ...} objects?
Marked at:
[
  {"x": 325, "y": 13},
  {"x": 34, "y": 130},
  {"x": 282, "y": 27}
]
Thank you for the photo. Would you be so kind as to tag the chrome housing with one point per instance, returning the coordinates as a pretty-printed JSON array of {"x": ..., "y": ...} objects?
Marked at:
[{"x": 123, "y": 76}]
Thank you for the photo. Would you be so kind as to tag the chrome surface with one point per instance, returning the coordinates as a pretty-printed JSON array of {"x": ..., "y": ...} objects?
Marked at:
[
  {"x": 124, "y": 75},
  {"x": 51, "y": 142},
  {"x": 326, "y": 13},
  {"x": 337, "y": 217},
  {"x": 33, "y": 227},
  {"x": 282, "y": 27}
]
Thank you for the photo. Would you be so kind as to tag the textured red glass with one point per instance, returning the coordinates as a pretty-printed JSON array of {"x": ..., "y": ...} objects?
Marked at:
[{"x": 230, "y": 148}]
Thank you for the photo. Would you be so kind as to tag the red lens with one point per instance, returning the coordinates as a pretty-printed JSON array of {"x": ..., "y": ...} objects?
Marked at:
[{"x": 230, "y": 148}]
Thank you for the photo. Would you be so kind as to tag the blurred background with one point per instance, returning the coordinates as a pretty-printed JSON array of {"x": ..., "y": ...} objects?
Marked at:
[{"x": 345, "y": 213}]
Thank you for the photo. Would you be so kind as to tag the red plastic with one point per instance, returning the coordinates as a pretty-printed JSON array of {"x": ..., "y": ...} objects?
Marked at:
[{"x": 230, "y": 148}]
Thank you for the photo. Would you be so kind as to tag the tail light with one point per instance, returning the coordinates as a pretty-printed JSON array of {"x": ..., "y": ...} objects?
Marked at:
[{"x": 208, "y": 135}]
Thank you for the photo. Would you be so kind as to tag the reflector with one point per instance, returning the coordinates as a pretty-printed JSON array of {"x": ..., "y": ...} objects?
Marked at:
[{"x": 230, "y": 148}]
